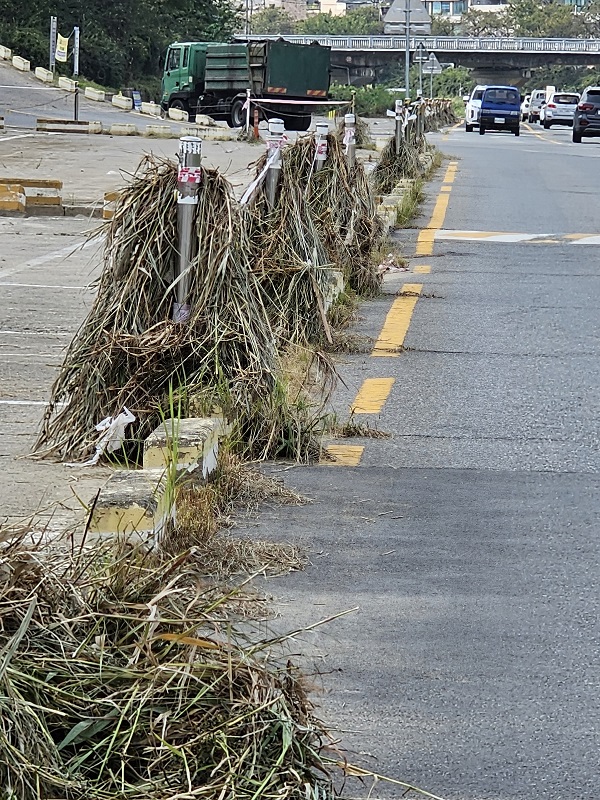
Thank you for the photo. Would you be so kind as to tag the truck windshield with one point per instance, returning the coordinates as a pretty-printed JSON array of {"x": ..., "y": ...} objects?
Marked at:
[{"x": 502, "y": 96}]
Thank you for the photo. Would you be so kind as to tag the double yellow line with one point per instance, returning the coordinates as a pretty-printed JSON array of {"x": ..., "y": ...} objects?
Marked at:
[{"x": 374, "y": 392}]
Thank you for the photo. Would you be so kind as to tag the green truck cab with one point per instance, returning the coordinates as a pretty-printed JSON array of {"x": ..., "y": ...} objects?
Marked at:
[{"x": 212, "y": 78}]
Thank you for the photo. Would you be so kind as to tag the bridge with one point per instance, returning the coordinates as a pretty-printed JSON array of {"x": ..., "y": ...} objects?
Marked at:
[{"x": 360, "y": 56}]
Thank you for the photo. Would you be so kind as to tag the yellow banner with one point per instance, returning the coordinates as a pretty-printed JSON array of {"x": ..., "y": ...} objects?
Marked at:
[{"x": 62, "y": 48}]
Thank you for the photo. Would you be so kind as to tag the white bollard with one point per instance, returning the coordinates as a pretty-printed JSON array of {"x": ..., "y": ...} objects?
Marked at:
[
  {"x": 350, "y": 138},
  {"x": 189, "y": 177},
  {"x": 322, "y": 129},
  {"x": 275, "y": 141},
  {"x": 399, "y": 114}
]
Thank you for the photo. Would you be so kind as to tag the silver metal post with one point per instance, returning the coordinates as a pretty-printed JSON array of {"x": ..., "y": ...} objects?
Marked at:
[
  {"x": 75, "y": 50},
  {"x": 53, "y": 32},
  {"x": 189, "y": 178},
  {"x": 322, "y": 129},
  {"x": 399, "y": 114},
  {"x": 407, "y": 54},
  {"x": 350, "y": 138},
  {"x": 421, "y": 74},
  {"x": 247, "y": 111},
  {"x": 431, "y": 85},
  {"x": 274, "y": 144},
  {"x": 76, "y": 102}
]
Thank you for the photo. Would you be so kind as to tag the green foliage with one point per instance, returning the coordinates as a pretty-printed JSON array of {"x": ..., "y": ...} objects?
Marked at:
[
  {"x": 121, "y": 40},
  {"x": 534, "y": 18},
  {"x": 273, "y": 20},
  {"x": 371, "y": 101},
  {"x": 440, "y": 26},
  {"x": 362, "y": 21}
]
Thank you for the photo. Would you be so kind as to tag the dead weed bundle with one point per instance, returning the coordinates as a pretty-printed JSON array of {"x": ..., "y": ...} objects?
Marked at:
[
  {"x": 123, "y": 677},
  {"x": 362, "y": 136},
  {"x": 337, "y": 208},
  {"x": 393, "y": 166},
  {"x": 129, "y": 353}
]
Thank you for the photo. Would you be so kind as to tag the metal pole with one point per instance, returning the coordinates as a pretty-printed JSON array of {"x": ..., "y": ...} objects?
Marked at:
[
  {"x": 248, "y": 111},
  {"x": 421, "y": 73},
  {"x": 431, "y": 85},
  {"x": 189, "y": 177},
  {"x": 75, "y": 51},
  {"x": 350, "y": 138},
  {"x": 407, "y": 54},
  {"x": 399, "y": 114},
  {"x": 322, "y": 129},
  {"x": 76, "y": 102},
  {"x": 53, "y": 32},
  {"x": 274, "y": 144}
]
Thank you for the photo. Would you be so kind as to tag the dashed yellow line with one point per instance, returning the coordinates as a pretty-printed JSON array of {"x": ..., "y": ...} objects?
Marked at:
[
  {"x": 423, "y": 269},
  {"x": 397, "y": 321},
  {"x": 345, "y": 455},
  {"x": 451, "y": 172},
  {"x": 372, "y": 395}
]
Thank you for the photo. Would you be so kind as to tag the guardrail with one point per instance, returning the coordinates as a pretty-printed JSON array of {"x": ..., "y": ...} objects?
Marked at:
[{"x": 448, "y": 44}]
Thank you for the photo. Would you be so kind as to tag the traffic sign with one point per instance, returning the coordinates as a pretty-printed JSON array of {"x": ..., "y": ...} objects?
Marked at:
[{"x": 432, "y": 66}]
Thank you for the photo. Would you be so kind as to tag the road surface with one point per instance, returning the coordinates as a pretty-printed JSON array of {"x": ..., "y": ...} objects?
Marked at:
[{"x": 469, "y": 539}]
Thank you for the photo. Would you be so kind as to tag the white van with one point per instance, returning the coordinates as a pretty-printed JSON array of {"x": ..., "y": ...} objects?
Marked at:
[
  {"x": 538, "y": 96},
  {"x": 473, "y": 108}
]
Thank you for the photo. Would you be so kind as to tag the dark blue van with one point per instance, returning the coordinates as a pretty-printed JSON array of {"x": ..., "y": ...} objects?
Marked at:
[{"x": 500, "y": 109}]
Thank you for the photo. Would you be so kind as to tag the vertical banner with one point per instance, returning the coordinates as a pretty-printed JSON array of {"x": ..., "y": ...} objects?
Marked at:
[
  {"x": 53, "y": 33},
  {"x": 62, "y": 48},
  {"x": 76, "y": 51}
]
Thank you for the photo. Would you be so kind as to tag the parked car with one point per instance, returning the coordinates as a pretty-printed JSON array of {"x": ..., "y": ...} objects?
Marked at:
[
  {"x": 586, "y": 120},
  {"x": 525, "y": 107},
  {"x": 500, "y": 110},
  {"x": 559, "y": 110},
  {"x": 538, "y": 96},
  {"x": 473, "y": 108}
]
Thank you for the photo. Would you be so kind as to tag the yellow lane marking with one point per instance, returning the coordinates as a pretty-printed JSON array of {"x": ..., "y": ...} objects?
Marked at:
[
  {"x": 346, "y": 455},
  {"x": 453, "y": 128},
  {"x": 451, "y": 172},
  {"x": 446, "y": 189},
  {"x": 423, "y": 269},
  {"x": 372, "y": 395},
  {"x": 397, "y": 321},
  {"x": 540, "y": 136},
  {"x": 427, "y": 235}
]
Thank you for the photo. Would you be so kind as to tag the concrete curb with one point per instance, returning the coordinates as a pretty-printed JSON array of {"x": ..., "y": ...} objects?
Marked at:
[{"x": 140, "y": 502}]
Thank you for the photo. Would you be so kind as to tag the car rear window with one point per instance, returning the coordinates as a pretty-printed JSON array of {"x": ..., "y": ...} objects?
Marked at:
[
  {"x": 565, "y": 99},
  {"x": 502, "y": 96}
]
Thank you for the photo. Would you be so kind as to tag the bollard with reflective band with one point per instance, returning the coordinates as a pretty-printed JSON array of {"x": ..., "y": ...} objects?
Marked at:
[
  {"x": 275, "y": 141},
  {"x": 189, "y": 177},
  {"x": 399, "y": 116},
  {"x": 350, "y": 138},
  {"x": 322, "y": 129}
]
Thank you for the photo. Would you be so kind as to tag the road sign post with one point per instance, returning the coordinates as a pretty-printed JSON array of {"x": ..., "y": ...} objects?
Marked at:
[
  {"x": 432, "y": 67},
  {"x": 53, "y": 32}
]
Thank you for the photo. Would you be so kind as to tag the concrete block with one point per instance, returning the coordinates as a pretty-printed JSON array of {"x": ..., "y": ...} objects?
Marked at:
[
  {"x": 12, "y": 199},
  {"x": 67, "y": 84},
  {"x": 217, "y": 133},
  {"x": 123, "y": 129},
  {"x": 335, "y": 287},
  {"x": 160, "y": 132},
  {"x": 125, "y": 103},
  {"x": 178, "y": 115},
  {"x": 5, "y": 53},
  {"x": 21, "y": 64},
  {"x": 44, "y": 75},
  {"x": 95, "y": 127},
  {"x": 194, "y": 442},
  {"x": 95, "y": 94},
  {"x": 204, "y": 121},
  {"x": 133, "y": 502},
  {"x": 152, "y": 109}
]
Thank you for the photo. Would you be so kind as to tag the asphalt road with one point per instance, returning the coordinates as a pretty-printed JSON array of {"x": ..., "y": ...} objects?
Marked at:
[{"x": 469, "y": 539}]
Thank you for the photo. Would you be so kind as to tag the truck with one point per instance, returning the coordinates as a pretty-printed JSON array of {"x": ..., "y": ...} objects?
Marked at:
[{"x": 285, "y": 80}]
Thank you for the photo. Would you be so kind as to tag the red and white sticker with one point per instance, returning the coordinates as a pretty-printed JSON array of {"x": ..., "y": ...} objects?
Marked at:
[{"x": 189, "y": 175}]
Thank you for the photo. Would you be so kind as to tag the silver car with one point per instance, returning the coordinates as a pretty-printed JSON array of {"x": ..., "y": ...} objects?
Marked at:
[
  {"x": 559, "y": 110},
  {"x": 538, "y": 96}
]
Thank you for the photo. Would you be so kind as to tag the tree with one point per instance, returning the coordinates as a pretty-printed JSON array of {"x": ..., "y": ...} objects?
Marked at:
[
  {"x": 485, "y": 23},
  {"x": 535, "y": 18},
  {"x": 442, "y": 27},
  {"x": 272, "y": 20},
  {"x": 363, "y": 21}
]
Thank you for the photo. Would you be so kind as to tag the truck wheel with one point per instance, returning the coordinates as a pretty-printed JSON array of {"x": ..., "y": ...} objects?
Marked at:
[
  {"x": 294, "y": 122},
  {"x": 181, "y": 105},
  {"x": 237, "y": 115},
  {"x": 468, "y": 128},
  {"x": 481, "y": 129}
]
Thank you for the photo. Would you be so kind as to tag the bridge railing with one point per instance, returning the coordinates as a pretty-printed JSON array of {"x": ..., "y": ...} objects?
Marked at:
[{"x": 449, "y": 44}]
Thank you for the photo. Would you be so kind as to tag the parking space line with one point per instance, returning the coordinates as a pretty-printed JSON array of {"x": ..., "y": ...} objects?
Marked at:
[
  {"x": 372, "y": 395},
  {"x": 397, "y": 321},
  {"x": 64, "y": 252}
]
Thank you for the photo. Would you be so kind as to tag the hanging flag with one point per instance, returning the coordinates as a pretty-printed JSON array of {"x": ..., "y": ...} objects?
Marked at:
[{"x": 62, "y": 48}]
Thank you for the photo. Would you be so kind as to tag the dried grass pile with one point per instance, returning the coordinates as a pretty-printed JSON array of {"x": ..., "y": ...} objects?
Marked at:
[
  {"x": 128, "y": 352},
  {"x": 362, "y": 137},
  {"x": 393, "y": 166},
  {"x": 323, "y": 220},
  {"x": 122, "y": 677}
]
